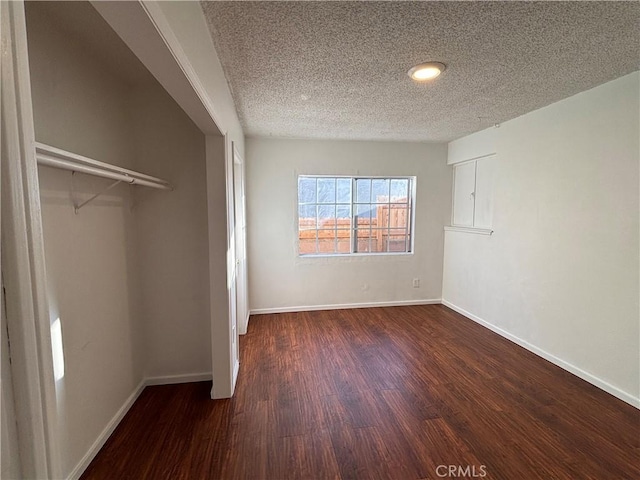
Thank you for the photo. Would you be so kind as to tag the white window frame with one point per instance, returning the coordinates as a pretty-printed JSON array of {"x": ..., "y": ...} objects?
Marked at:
[{"x": 409, "y": 229}]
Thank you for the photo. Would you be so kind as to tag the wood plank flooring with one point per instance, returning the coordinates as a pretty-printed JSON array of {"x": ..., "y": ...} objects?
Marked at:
[{"x": 384, "y": 393}]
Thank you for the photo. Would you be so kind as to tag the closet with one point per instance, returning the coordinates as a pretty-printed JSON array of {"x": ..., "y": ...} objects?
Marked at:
[{"x": 127, "y": 254}]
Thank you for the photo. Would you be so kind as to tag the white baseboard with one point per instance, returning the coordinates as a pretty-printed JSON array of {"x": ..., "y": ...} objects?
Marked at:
[
  {"x": 592, "y": 379},
  {"x": 343, "y": 306},
  {"x": 172, "y": 379},
  {"x": 106, "y": 433}
]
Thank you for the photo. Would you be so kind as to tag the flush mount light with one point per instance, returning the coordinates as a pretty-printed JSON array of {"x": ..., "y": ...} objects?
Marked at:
[{"x": 426, "y": 71}]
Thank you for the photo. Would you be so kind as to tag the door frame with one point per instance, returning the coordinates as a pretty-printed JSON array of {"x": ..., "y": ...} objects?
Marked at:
[
  {"x": 22, "y": 261},
  {"x": 240, "y": 223}
]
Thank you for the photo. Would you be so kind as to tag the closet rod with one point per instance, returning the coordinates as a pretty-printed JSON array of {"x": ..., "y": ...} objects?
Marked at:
[{"x": 57, "y": 158}]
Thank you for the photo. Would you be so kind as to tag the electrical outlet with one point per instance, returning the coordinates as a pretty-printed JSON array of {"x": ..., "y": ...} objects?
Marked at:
[{"x": 416, "y": 283}]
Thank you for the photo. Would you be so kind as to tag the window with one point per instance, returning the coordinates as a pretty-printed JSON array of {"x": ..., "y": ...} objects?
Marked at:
[
  {"x": 473, "y": 194},
  {"x": 349, "y": 215}
]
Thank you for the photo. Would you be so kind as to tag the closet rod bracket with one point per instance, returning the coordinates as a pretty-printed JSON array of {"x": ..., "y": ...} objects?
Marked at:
[{"x": 77, "y": 206}]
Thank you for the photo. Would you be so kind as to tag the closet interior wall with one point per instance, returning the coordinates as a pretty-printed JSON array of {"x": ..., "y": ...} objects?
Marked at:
[{"x": 127, "y": 276}]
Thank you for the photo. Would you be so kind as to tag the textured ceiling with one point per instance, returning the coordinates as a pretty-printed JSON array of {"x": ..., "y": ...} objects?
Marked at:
[{"x": 339, "y": 69}]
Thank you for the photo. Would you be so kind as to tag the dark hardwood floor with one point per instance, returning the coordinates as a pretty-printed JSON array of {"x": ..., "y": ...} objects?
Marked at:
[{"x": 378, "y": 393}]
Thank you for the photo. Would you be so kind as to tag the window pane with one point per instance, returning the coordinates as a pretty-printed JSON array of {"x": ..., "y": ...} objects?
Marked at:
[
  {"x": 399, "y": 190},
  {"x": 396, "y": 240},
  {"x": 344, "y": 211},
  {"x": 307, "y": 246},
  {"x": 326, "y": 216},
  {"x": 306, "y": 217},
  {"x": 306, "y": 190},
  {"x": 396, "y": 244},
  {"x": 344, "y": 245},
  {"x": 343, "y": 219},
  {"x": 380, "y": 215},
  {"x": 363, "y": 213},
  {"x": 326, "y": 241},
  {"x": 307, "y": 242},
  {"x": 326, "y": 190},
  {"x": 363, "y": 190},
  {"x": 380, "y": 190},
  {"x": 344, "y": 190},
  {"x": 364, "y": 237},
  {"x": 378, "y": 236},
  {"x": 397, "y": 217},
  {"x": 344, "y": 234}
]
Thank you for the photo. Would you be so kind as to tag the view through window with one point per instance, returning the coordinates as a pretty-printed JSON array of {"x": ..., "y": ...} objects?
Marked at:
[{"x": 349, "y": 215}]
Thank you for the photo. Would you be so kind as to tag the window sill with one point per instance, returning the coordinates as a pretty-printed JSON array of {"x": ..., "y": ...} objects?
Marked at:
[
  {"x": 474, "y": 230},
  {"x": 355, "y": 255}
]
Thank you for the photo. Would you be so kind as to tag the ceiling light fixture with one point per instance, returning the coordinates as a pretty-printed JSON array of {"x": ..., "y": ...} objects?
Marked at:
[{"x": 426, "y": 71}]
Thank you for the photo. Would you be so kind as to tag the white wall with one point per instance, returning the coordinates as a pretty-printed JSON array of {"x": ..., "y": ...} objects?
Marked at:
[
  {"x": 280, "y": 279},
  {"x": 171, "y": 237},
  {"x": 81, "y": 107},
  {"x": 560, "y": 273}
]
